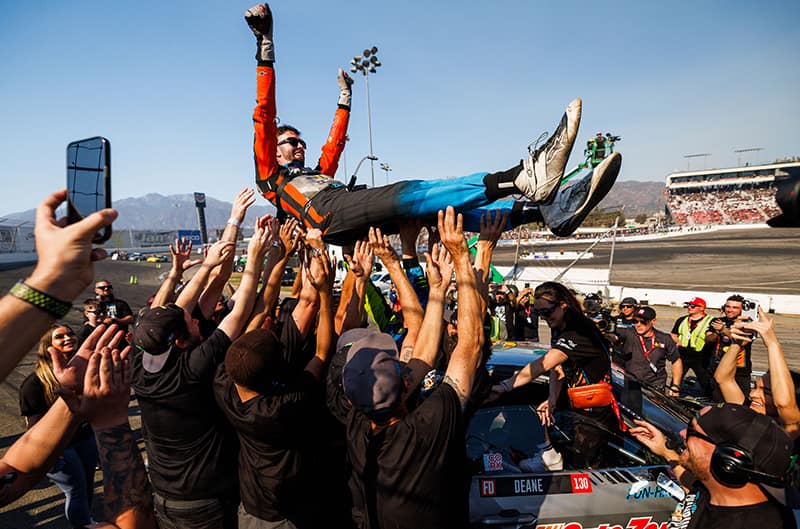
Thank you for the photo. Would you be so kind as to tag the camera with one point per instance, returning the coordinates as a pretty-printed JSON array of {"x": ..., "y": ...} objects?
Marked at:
[
  {"x": 600, "y": 315},
  {"x": 750, "y": 309}
]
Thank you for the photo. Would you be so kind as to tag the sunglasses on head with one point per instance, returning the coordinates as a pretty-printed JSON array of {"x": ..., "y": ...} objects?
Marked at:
[
  {"x": 294, "y": 142},
  {"x": 547, "y": 311}
]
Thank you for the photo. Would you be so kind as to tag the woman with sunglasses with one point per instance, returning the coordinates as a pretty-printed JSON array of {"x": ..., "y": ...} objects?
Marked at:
[
  {"x": 578, "y": 348},
  {"x": 73, "y": 473}
]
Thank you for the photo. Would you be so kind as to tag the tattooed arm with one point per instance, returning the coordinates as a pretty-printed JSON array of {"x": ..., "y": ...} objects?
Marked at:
[{"x": 127, "y": 494}]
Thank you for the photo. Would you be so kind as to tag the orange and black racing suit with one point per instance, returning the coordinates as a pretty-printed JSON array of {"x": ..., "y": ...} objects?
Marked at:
[{"x": 320, "y": 201}]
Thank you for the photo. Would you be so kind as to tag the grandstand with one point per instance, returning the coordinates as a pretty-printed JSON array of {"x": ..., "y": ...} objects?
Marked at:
[{"x": 734, "y": 195}]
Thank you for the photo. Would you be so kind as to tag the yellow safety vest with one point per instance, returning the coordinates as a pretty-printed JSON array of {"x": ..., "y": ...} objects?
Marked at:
[{"x": 696, "y": 339}]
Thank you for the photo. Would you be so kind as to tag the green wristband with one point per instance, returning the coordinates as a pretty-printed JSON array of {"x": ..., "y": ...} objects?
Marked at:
[{"x": 39, "y": 299}]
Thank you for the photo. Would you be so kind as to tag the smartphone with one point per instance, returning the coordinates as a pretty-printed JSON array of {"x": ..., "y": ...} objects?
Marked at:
[
  {"x": 89, "y": 181},
  {"x": 750, "y": 309}
]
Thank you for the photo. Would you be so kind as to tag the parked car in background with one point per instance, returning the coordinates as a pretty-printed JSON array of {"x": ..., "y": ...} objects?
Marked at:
[
  {"x": 382, "y": 282},
  {"x": 289, "y": 275},
  {"x": 157, "y": 259},
  {"x": 135, "y": 256}
]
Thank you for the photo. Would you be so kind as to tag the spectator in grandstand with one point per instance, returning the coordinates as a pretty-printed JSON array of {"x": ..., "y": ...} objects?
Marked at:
[
  {"x": 722, "y": 326},
  {"x": 696, "y": 342},
  {"x": 64, "y": 268}
]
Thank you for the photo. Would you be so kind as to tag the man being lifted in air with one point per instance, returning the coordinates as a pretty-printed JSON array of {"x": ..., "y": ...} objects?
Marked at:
[{"x": 315, "y": 198}]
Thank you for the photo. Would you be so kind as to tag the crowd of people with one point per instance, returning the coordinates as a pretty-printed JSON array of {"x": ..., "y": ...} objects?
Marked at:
[
  {"x": 733, "y": 205},
  {"x": 350, "y": 411}
]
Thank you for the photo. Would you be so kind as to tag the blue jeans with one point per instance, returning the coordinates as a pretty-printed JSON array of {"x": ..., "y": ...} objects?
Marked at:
[{"x": 73, "y": 473}]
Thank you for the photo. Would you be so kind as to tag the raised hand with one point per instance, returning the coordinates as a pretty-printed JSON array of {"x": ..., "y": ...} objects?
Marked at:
[
  {"x": 181, "y": 253},
  {"x": 492, "y": 224},
  {"x": 71, "y": 374},
  {"x": 319, "y": 270},
  {"x": 259, "y": 18},
  {"x": 361, "y": 260},
  {"x": 440, "y": 268},
  {"x": 245, "y": 199},
  {"x": 451, "y": 231},
  {"x": 259, "y": 242},
  {"x": 219, "y": 252},
  {"x": 381, "y": 246},
  {"x": 290, "y": 234},
  {"x": 65, "y": 252},
  {"x": 106, "y": 388},
  {"x": 345, "y": 83}
]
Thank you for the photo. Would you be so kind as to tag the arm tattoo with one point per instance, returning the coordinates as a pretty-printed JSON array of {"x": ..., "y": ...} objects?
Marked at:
[
  {"x": 456, "y": 385},
  {"x": 406, "y": 353},
  {"x": 125, "y": 483}
]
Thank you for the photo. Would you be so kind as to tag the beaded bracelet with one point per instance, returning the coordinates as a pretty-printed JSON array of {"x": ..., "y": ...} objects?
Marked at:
[{"x": 39, "y": 299}]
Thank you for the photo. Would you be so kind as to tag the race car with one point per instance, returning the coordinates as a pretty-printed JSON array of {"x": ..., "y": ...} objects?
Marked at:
[{"x": 512, "y": 457}]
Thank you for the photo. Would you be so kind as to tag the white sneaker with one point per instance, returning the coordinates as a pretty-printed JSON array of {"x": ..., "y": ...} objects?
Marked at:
[
  {"x": 543, "y": 170},
  {"x": 576, "y": 200}
]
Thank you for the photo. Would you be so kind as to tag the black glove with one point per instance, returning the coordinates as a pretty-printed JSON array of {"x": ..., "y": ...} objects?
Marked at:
[{"x": 259, "y": 18}]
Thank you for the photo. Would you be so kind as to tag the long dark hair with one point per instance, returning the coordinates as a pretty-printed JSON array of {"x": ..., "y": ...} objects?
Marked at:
[{"x": 573, "y": 313}]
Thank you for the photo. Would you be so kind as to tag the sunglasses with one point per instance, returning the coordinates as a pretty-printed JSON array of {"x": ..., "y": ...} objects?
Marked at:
[
  {"x": 641, "y": 322},
  {"x": 691, "y": 432},
  {"x": 294, "y": 142},
  {"x": 626, "y": 306},
  {"x": 547, "y": 311},
  {"x": 103, "y": 287},
  {"x": 691, "y": 306}
]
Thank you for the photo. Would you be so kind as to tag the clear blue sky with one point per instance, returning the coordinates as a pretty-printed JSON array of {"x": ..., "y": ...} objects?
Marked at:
[{"x": 464, "y": 87}]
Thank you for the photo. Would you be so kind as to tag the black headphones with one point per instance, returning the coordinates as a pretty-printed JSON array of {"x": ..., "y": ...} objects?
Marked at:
[{"x": 732, "y": 464}]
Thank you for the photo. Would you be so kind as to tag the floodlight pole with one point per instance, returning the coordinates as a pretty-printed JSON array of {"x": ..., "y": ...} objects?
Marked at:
[{"x": 366, "y": 64}]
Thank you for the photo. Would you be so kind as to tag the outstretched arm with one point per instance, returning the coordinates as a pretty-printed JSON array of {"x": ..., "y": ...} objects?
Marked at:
[
  {"x": 181, "y": 252},
  {"x": 337, "y": 137},
  {"x": 65, "y": 267},
  {"x": 354, "y": 288},
  {"x": 463, "y": 364},
  {"x": 440, "y": 269},
  {"x": 412, "y": 310},
  {"x": 320, "y": 275},
  {"x": 219, "y": 251}
]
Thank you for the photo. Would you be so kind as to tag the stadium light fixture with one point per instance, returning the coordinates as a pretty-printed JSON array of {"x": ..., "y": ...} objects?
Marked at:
[{"x": 367, "y": 63}]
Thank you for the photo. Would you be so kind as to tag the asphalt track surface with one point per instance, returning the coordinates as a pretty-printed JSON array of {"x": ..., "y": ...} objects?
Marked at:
[{"x": 763, "y": 260}]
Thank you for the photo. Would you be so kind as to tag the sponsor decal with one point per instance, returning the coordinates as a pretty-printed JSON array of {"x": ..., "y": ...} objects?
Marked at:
[
  {"x": 487, "y": 488},
  {"x": 646, "y": 493},
  {"x": 645, "y": 522},
  {"x": 492, "y": 462},
  {"x": 530, "y": 485},
  {"x": 581, "y": 483}
]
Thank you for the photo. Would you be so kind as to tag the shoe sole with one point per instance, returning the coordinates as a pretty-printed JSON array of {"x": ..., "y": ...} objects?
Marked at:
[
  {"x": 603, "y": 178},
  {"x": 575, "y": 107}
]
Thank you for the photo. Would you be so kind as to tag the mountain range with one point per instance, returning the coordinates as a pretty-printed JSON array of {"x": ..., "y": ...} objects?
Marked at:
[{"x": 164, "y": 213}]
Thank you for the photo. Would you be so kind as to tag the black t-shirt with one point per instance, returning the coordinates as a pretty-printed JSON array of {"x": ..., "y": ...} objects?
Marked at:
[
  {"x": 117, "y": 308},
  {"x": 276, "y": 436},
  {"x": 412, "y": 473},
  {"x": 33, "y": 405},
  {"x": 191, "y": 450},
  {"x": 647, "y": 356},
  {"x": 743, "y": 363},
  {"x": 526, "y": 324},
  {"x": 696, "y": 512},
  {"x": 587, "y": 355}
]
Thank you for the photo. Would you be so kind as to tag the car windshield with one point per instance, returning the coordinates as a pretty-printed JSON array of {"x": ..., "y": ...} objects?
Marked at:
[{"x": 377, "y": 276}]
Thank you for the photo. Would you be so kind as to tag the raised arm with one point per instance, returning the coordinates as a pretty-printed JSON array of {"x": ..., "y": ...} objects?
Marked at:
[
  {"x": 283, "y": 243},
  {"x": 181, "y": 254},
  {"x": 412, "y": 309},
  {"x": 464, "y": 361},
  {"x": 217, "y": 253},
  {"x": 440, "y": 269},
  {"x": 354, "y": 288},
  {"x": 492, "y": 224},
  {"x": 64, "y": 269},
  {"x": 320, "y": 275},
  {"x": 337, "y": 137},
  {"x": 220, "y": 275},
  {"x": 783, "y": 389},
  {"x": 233, "y": 324},
  {"x": 725, "y": 373}
]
